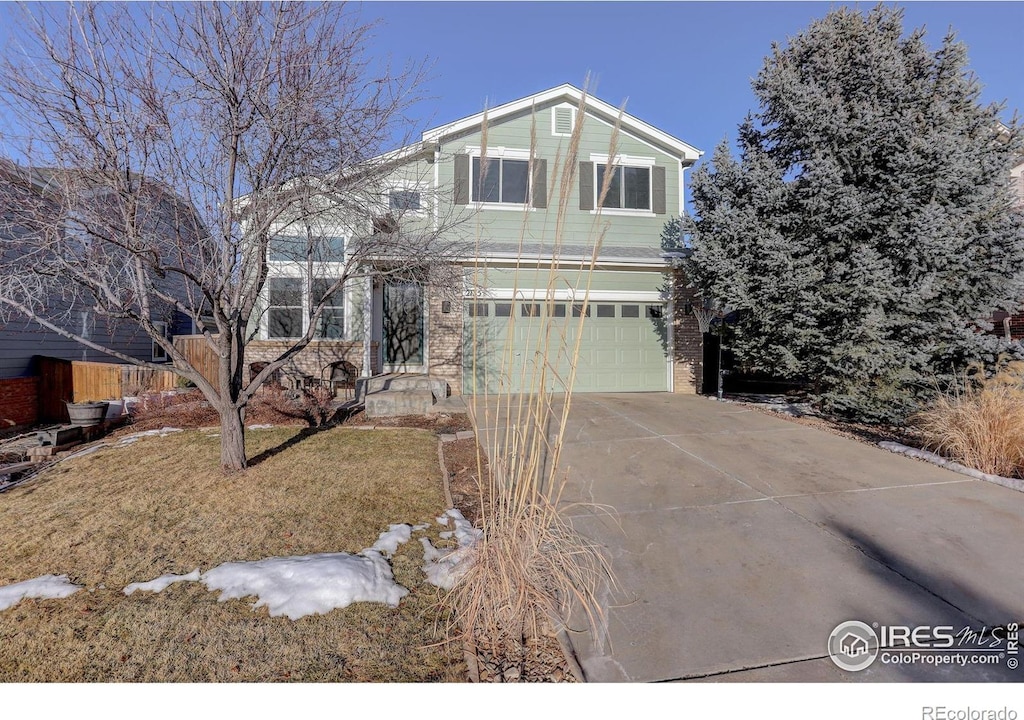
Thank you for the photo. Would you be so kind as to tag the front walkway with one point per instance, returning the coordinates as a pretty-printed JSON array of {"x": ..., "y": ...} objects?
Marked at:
[{"x": 740, "y": 541}]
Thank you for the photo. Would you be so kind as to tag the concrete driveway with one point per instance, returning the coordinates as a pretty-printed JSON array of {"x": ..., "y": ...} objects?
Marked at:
[{"x": 740, "y": 541}]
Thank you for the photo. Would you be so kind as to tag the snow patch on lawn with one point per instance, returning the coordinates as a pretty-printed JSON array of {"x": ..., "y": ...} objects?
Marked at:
[
  {"x": 307, "y": 584},
  {"x": 45, "y": 586},
  {"x": 303, "y": 584},
  {"x": 390, "y": 539},
  {"x": 161, "y": 583},
  {"x": 444, "y": 567}
]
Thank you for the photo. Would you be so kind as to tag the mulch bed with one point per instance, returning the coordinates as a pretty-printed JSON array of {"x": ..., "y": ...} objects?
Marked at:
[{"x": 191, "y": 410}]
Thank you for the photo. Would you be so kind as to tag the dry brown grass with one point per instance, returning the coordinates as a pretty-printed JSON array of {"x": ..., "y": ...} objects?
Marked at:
[
  {"x": 980, "y": 425},
  {"x": 161, "y": 506}
]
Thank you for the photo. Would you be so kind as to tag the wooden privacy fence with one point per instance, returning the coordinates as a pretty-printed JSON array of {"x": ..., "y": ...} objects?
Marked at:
[
  {"x": 105, "y": 381},
  {"x": 200, "y": 355},
  {"x": 63, "y": 381}
]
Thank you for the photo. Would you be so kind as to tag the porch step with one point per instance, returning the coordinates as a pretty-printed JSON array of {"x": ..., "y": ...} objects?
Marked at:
[
  {"x": 386, "y": 403},
  {"x": 401, "y": 381}
]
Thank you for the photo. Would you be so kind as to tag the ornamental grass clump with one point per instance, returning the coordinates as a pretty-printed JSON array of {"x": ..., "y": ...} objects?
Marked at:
[
  {"x": 980, "y": 424},
  {"x": 531, "y": 569}
]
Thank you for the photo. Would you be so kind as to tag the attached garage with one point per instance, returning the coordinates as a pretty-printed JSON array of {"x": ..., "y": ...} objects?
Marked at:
[{"x": 624, "y": 341}]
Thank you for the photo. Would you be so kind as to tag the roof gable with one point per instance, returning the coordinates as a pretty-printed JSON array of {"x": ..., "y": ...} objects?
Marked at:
[{"x": 684, "y": 151}]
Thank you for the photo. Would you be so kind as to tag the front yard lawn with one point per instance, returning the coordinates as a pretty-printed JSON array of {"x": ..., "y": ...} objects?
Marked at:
[{"x": 131, "y": 514}]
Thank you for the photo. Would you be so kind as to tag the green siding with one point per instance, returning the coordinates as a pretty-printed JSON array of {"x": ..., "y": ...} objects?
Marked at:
[
  {"x": 516, "y": 353},
  {"x": 580, "y": 226},
  {"x": 538, "y": 278}
]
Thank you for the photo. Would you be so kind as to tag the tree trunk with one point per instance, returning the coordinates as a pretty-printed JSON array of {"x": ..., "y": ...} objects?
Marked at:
[{"x": 232, "y": 439}]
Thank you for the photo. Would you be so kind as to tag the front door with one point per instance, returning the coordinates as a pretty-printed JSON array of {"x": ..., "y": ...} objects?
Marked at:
[{"x": 403, "y": 326}]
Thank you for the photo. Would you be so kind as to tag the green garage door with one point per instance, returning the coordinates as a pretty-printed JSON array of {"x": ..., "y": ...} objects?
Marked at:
[{"x": 623, "y": 346}]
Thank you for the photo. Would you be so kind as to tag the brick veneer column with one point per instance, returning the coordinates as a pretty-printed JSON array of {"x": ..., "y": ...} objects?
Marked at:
[
  {"x": 688, "y": 342},
  {"x": 444, "y": 330}
]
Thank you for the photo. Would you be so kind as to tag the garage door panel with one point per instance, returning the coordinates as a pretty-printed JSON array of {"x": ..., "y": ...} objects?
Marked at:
[{"x": 616, "y": 353}]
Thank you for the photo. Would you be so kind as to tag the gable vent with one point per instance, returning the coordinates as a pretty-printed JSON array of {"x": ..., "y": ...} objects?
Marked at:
[{"x": 562, "y": 120}]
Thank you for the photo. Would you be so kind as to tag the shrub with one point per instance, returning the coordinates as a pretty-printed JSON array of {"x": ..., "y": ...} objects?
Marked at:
[{"x": 980, "y": 423}]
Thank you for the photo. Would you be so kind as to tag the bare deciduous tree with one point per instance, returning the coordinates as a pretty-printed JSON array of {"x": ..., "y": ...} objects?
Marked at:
[{"x": 161, "y": 148}]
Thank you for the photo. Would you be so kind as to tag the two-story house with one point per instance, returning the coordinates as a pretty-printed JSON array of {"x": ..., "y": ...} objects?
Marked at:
[
  {"x": 33, "y": 211},
  {"x": 532, "y": 245}
]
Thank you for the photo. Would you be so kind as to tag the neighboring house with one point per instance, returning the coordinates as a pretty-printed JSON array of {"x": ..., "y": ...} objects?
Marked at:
[
  {"x": 638, "y": 331},
  {"x": 1011, "y": 326},
  {"x": 22, "y": 339}
]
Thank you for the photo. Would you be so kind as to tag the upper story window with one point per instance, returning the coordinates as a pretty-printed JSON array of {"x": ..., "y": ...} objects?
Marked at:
[
  {"x": 628, "y": 189},
  {"x": 404, "y": 200},
  {"x": 294, "y": 248},
  {"x": 636, "y": 185},
  {"x": 500, "y": 180}
]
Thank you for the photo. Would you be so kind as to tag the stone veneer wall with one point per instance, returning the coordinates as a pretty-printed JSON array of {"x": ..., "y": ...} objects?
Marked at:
[
  {"x": 688, "y": 350},
  {"x": 313, "y": 358},
  {"x": 19, "y": 402},
  {"x": 444, "y": 331}
]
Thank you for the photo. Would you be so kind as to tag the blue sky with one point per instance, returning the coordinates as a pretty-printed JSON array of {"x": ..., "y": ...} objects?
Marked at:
[{"x": 684, "y": 67}]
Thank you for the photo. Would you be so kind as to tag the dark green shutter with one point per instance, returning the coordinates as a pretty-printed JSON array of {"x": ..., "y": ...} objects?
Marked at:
[
  {"x": 540, "y": 183},
  {"x": 658, "y": 189},
  {"x": 586, "y": 186},
  {"x": 462, "y": 179}
]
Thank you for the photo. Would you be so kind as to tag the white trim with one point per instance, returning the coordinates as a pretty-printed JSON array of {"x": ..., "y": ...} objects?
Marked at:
[
  {"x": 416, "y": 186},
  {"x": 620, "y": 162},
  {"x": 623, "y": 160},
  {"x": 436, "y": 196},
  {"x": 517, "y": 207},
  {"x": 631, "y": 212},
  {"x": 573, "y": 95},
  {"x": 367, "y": 369},
  {"x": 670, "y": 325},
  {"x": 499, "y": 152},
  {"x": 682, "y": 196},
  {"x": 650, "y": 297},
  {"x": 297, "y": 271},
  {"x": 554, "y": 119},
  {"x": 514, "y": 260}
]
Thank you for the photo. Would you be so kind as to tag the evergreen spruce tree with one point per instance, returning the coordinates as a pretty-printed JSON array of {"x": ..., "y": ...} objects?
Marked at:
[{"x": 867, "y": 229}]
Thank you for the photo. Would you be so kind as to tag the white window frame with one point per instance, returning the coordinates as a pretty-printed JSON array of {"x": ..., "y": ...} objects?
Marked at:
[
  {"x": 624, "y": 161},
  {"x": 296, "y": 273},
  {"x": 501, "y": 153},
  {"x": 418, "y": 187},
  {"x": 265, "y": 329}
]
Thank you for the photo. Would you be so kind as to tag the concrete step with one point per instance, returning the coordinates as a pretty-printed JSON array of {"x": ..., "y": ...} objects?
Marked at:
[
  {"x": 388, "y": 403},
  {"x": 401, "y": 381}
]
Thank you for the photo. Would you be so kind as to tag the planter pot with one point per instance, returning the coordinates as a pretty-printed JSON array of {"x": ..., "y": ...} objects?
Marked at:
[{"x": 87, "y": 414}]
